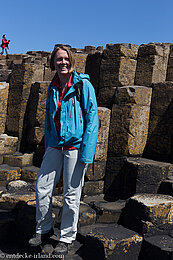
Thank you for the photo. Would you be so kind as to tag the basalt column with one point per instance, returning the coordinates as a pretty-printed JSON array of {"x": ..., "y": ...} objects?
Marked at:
[
  {"x": 94, "y": 178},
  {"x": 160, "y": 135},
  {"x": 129, "y": 121},
  {"x": 152, "y": 63},
  {"x": 169, "y": 76},
  {"x": 4, "y": 87},
  {"x": 128, "y": 133},
  {"x": 22, "y": 77},
  {"x": 36, "y": 110},
  {"x": 117, "y": 69}
]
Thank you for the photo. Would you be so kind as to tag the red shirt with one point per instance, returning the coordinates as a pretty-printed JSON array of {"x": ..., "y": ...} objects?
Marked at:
[
  {"x": 4, "y": 41},
  {"x": 58, "y": 110}
]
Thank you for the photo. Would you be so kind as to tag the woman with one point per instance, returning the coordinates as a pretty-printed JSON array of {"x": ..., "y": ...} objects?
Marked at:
[
  {"x": 4, "y": 44},
  {"x": 71, "y": 131}
]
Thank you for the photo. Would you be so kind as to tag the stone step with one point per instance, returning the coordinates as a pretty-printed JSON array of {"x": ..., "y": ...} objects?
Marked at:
[
  {"x": 144, "y": 176},
  {"x": 8, "y": 173},
  {"x": 103, "y": 241},
  {"x": 150, "y": 214},
  {"x": 9, "y": 201},
  {"x": 93, "y": 188},
  {"x": 30, "y": 173},
  {"x": 18, "y": 186},
  {"x": 18, "y": 159},
  {"x": 8, "y": 144},
  {"x": 157, "y": 247},
  {"x": 107, "y": 212},
  {"x": 127, "y": 175}
]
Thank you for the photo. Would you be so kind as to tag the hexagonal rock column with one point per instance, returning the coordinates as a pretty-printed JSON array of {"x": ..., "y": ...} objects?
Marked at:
[
  {"x": 22, "y": 77},
  {"x": 129, "y": 121},
  {"x": 96, "y": 171},
  {"x": 30, "y": 173},
  {"x": 4, "y": 87},
  {"x": 143, "y": 176},
  {"x": 118, "y": 66},
  {"x": 110, "y": 241},
  {"x": 160, "y": 133},
  {"x": 18, "y": 159},
  {"x": 34, "y": 131},
  {"x": 150, "y": 214},
  {"x": 8, "y": 144},
  {"x": 152, "y": 63},
  {"x": 127, "y": 176},
  {"x": 80, "y": 59}
]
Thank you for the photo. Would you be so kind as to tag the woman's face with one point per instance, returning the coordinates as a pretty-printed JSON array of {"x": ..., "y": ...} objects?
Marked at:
[{"x": 62, "y": 62}]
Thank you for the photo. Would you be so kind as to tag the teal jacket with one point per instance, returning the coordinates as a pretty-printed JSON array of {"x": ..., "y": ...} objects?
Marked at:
[{"x": 79, "y": 120}]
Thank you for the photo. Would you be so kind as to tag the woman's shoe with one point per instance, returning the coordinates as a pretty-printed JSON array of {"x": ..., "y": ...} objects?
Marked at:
[{"x": 38, "y": 239}]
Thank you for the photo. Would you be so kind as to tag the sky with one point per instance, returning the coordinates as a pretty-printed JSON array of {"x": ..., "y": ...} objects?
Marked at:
[{"x": 37, "y": 25}]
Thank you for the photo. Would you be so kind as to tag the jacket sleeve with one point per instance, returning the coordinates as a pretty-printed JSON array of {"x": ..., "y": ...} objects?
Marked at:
[
  {"x": 47, "y": 125},
  {"x": 90, "y": 114}
]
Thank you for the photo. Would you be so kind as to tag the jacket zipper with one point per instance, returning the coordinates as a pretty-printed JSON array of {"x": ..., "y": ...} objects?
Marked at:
[
  {"x": 81, "y": 119},
  {"x": 71, "y": 107}
]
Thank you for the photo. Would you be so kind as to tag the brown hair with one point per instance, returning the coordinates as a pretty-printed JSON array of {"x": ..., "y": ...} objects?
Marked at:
[{"x": 71, "y": 58}]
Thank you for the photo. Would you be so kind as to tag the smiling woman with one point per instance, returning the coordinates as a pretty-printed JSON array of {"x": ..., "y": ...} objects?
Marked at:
[{"x": 71, "y": 131}]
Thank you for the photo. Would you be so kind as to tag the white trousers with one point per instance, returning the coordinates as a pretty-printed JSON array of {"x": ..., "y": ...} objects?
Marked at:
[{"x": 54, "y": 161}]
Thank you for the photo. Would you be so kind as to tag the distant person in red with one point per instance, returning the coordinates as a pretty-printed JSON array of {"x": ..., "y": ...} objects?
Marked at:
[{"x": 4, "y": 44}]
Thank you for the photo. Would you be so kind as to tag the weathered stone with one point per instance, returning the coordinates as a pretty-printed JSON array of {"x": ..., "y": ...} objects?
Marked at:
[
  {"x": 143, "y": 176},
  {"x": 23, "y": 75},
  {"x": 8, "y": 173},
  {"x": 169, "y": 76},
  {"x": 34, "y": 132},
  {"x": 102, "y": 142},
  {"x": 107, "y": 212},
  {"x": 112, "y": 241},
  {"x": 90, "y": 49},
  {"x": 8, "y": 144},
  {"x": 4, "y": 87},
  {"x": 129, "y": 121},
  {"x": 160, "y": 133},
  {"x": 87, "y": 216},
  {"x": 157, "y": 247},
  {"x": 10, "y": 200},
  {"x": 152, "y": 63},
  {"x": 106, "y": 96},
  {"x": 150, "y": 214},
  {"x": 96, "y": 171},
  {"x": 16, "y": 186},
  {"x": 18, "y": 159},
  {"x": 5, "y": 75},
  {"x": 29, "y": 173},
  {"x": 48, "y": 74},
  {"x": 118, "y": 65},
  {"x": 93, "y": 187},
  {"x": 80, "y": 60}
]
